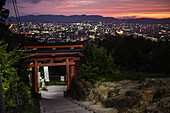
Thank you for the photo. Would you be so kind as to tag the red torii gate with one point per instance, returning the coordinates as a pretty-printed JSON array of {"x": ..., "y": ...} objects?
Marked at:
[{"x": 68, "y": 53}]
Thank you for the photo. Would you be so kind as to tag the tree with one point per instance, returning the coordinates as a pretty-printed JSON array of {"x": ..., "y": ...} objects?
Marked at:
[
  {"x": 14, "y": 89},
  {"x": 137, "y": 55},
  {"x": 4, "y": 13},
  {"x": 96, "y": 64}
]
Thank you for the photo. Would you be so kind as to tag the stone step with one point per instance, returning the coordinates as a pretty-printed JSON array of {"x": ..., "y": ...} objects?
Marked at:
[
  {"x": 51, "y": 95},
  {"x": 70, "y": 110},
  {"x": 83, "y": 111},
  {"x": 76, "y": 112},
  {"x": 67, "y": 106},
  {"x": 79, "y": 111},
  {"x": 47, "y": 92},
  {"x": 53, "y": 101},
  {"x": 57, "y": 88},
  {"x": 62, "y": 103}
]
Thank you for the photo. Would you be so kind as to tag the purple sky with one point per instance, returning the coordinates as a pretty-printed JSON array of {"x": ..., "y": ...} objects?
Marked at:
[{"x": 106, "y": 8}]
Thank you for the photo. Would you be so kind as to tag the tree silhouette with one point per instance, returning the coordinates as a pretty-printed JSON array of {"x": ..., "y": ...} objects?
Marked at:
[{"x": 4, "y": 13}]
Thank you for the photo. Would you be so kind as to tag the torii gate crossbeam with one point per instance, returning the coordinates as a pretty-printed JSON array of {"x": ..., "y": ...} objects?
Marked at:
[{"x": 69, "y": 52}]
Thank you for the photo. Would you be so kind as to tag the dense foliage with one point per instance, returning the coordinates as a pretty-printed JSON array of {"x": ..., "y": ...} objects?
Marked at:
[
  {"x": 16, "y": 92},
  {"x": 13, "y": 67},
  {"x": 136, "y": 58},
  {"x": 139, "y": 55},
  {"x": 96, "y": 64},
  {"x": 14, "y": 70}
]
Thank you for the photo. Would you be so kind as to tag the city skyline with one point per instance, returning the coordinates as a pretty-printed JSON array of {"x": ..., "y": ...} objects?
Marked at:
[{"x": 107, "y": 8}]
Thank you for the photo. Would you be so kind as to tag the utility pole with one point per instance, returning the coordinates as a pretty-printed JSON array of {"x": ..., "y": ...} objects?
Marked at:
[{"x": 2, "y": 105}]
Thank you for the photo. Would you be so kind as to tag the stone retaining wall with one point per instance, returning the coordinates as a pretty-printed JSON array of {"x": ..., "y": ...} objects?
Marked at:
[{"x": 149, "y": 96}]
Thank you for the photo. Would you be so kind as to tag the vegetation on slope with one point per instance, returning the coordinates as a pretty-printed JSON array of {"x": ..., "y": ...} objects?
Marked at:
[
  {"x": 124, "y": 57},
  {"x": 13, "y": 68}
]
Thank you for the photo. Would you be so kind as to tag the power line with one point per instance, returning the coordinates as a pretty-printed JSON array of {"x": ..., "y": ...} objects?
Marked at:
[
  {"x": 16, "y": 13},
  {"x": 15, "y": 10}
]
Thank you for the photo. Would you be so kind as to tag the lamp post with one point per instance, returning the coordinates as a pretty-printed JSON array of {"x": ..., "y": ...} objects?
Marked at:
[{"x": 2, "y": 105}]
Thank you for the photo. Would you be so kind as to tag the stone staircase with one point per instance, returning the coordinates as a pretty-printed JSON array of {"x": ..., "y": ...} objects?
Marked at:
[{"x": 53, "y": 101}]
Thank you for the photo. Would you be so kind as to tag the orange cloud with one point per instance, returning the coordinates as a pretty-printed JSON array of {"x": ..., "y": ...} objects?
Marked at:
[{"x": 107, "y": 8}]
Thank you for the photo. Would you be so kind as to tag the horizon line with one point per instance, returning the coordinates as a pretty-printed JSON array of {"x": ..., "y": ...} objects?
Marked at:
[{"x": 120, "y": 17}]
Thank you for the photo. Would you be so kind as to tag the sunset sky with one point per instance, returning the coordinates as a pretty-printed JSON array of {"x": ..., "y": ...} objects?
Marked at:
[{"x": 106, "y": 8}]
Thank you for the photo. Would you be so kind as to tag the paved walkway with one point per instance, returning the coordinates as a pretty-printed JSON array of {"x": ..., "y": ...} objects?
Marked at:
[{"x": 53, "y": 101}]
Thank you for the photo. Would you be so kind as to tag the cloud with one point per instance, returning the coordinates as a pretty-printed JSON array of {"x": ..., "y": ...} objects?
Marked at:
[
  {"x": 32, "y": 1},
  {"x": 37, "y": 1},
  {"x": 83, "y": 2},
  {"x": 93, "y": 7},
  {"x": 127, "y": 17},
  {"x": 24, "y": 1},
  {"x": 21, "y": 7}
]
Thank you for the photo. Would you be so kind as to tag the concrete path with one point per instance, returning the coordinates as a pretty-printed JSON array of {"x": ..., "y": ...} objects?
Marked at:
[{"x": 53, "y": 101}]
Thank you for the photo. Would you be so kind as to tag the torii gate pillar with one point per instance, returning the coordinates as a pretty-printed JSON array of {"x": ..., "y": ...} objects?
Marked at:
[
  {"x": 68, "y": 74},
  {"x": 36, "y": 76}
]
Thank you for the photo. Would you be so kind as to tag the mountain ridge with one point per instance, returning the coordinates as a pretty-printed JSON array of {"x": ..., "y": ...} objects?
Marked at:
[
  {"x": 62, "y": 18},
  {"x": 84, "y": 18}
]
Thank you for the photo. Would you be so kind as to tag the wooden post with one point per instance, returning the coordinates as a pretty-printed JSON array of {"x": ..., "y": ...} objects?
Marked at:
[
  {"x": 52, "y": 61},
  {"x": 72, "y": 72},
  {"x": 36, "y": 77},
  {"x": 72, "y": 48},
  {"x": 68, "y": 75},
  {"x": 53, "y": 49}
]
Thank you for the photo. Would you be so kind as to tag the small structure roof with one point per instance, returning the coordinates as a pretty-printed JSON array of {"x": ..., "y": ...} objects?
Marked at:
[
  {"x": 54, "y": 51},
  {"x": 51, "y": 44}
]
